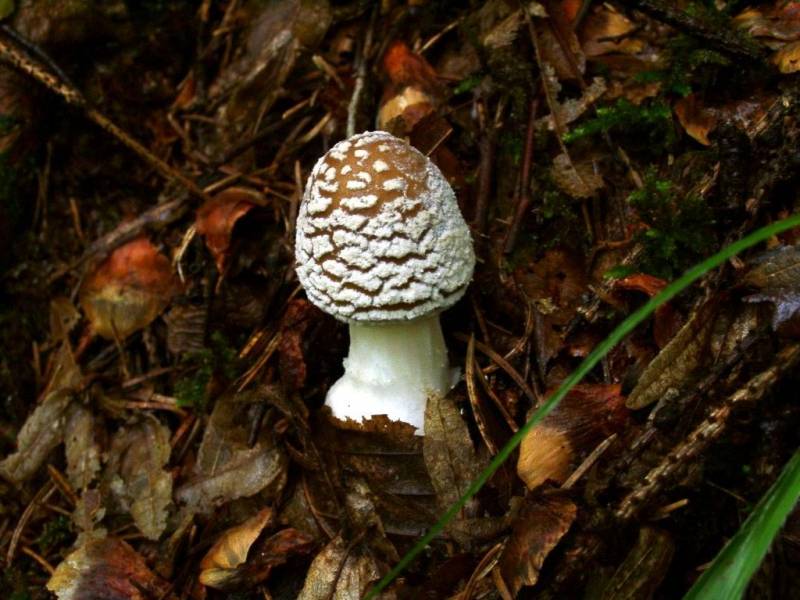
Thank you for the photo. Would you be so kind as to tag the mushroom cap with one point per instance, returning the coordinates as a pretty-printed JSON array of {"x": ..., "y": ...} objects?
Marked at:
[{"x": 379, "y": 233}]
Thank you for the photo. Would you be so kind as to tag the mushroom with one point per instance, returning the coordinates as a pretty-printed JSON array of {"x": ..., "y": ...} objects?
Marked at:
[{"x": 381, "y": 245}]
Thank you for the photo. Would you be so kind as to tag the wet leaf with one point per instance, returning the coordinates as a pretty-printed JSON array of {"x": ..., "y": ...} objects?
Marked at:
[
  {"x": 537, "y": 529},
  {"x": 586, "y": 416},
  {"x": 137, "y": 477},
  {"x": 218, "y": 216},
  {"x": 263, "y": 557},
  {"x": 448, "y": 450},
  {"x": 41, "y": 433},
  {"x": 81, "y": 447},
  {"x": 342, "y": 572},
  {"x": 227, "y": 466},
  {"x": 106, "y": 569},
  {"x": 128, "y": 290},
  {"x": 695, "y": 119},
  {"x": 776, "y": 276}
]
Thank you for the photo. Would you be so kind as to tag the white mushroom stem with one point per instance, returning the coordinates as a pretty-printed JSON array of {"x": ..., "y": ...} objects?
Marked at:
[{"x": 391, "y": 370}]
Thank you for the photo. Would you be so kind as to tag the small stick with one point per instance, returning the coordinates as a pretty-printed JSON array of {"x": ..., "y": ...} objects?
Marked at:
[
  {"x": 524, "y": 191},
  {"x": 73, "y": 97},
  {"x": 361, "y": 74}
]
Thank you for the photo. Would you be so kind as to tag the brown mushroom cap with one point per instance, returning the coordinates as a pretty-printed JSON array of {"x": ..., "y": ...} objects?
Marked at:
[{"x": 379, "y": 233}]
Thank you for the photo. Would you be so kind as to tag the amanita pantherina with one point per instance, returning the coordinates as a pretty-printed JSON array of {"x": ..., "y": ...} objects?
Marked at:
[{"x": 382, "y": 245}]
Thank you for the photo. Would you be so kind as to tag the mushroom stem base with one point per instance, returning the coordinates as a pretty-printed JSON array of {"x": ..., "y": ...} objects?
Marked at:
[{"x": 391, "y": 370}]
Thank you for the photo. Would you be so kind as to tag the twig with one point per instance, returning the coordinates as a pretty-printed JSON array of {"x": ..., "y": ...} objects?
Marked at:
[
  {"x": 720, "y": 38},
  {"x": 525, "y": 180},
  {"x": 73, "y": 97},
  {"x": 706, "y": 432},
  {"x": 42, "y": 496},
  {"x": 161, "y": 214},
  {"x": 361, "y": 74}
]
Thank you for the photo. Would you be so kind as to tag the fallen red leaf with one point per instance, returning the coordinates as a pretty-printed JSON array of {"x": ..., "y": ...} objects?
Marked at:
[
  {"x": 218, "y": 216},
  {"x": 128, "y": 290}
]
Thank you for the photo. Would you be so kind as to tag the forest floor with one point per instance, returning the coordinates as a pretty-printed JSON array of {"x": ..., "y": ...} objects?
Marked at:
[{"x": 163, "y": 375}]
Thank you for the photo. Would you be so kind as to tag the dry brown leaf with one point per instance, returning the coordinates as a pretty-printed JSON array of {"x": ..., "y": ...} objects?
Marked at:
[
  {"x": 447, "y": 448},
  {"x": 559, "y": 45},
  {"x": 576, "y": 179},
  {"x": 607, "y": 31},
  {"x": 586, "y": 416},
  {"x": 572, "y": 109},
  {"x": 136, "y": 475},
  {"x": 63, "y": 318},
  {"x": 776, "y": 276},
  {"x": 217, "y": 218},
  {"x": 299, "y": 315},
  {"x": 695, "y": 119},
  {"x": 106, "y": 569},
  {"x": 276, "y": 34},
  {"x": 342, "y": 572},
  {"x": 128, "y": 290},
  {"x": 230, "y": 550},
  {"x": 787, "y": 58},
  {"x": 42, "y": 432},
  {"x": 781, "y": 22},
  {"x": 81, "y": 448},
  {"x": 227, "y": 466},
  {"x": 710, "y": 334},
  {"x": 89, "y": 512},
  {"x": 537, "y": 529}
]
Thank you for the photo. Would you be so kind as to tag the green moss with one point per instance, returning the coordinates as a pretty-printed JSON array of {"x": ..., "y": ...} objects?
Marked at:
[
  {"x": 468, "y": 83},
  {"x": 650, "y": 123},
  {"x": 55, "y": 533},
  {"x": 678, "y": 229},
  {"x": 219, "y": 358}
]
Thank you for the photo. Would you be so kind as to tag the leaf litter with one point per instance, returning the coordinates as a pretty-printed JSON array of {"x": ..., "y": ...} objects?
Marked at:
[{"x": 163, "y": 434}]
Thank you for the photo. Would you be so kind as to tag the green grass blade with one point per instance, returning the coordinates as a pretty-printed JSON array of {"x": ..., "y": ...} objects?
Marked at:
[
  {"x": 729, "y": 574},
  {"x": 583, "y": 369}
]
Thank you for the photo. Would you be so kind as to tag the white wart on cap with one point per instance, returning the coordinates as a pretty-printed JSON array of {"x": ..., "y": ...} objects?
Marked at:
[{"x": 379, "y": 233}]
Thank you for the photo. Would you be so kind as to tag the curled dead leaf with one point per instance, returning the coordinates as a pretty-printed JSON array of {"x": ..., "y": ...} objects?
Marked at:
[
  {"x": 218, "y": 566},
  {"x": 697, "y": 120},
  {"x": 537, "y": 529},
  {"x": 128, "y": 290},
  {"x": 218, "y": 216},
  {"x": 587, "y": 415}
]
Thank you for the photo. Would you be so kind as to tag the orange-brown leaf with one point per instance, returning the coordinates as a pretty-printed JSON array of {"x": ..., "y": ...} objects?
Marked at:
[
  {"x": 128, "y": 290},
  {"x": 218, "y": 216}
]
